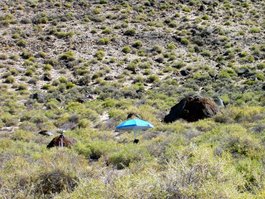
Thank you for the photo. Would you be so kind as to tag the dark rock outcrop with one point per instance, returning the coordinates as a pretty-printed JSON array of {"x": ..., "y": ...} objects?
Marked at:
[
  {"x": 191, "y": 109},
  {"x": 60, "y": 141}
]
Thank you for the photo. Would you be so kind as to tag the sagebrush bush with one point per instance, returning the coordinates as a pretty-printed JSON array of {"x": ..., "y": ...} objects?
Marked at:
[
  {"x": 55, "y": 182},
  {"x": 198, "y": 173},
  {"x": 127, "y": 155}
]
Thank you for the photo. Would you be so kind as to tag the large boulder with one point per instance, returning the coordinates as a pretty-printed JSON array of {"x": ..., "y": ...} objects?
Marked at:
[
  {"x": 192, "y": 108},
  {"x": 61, "y": 141}
]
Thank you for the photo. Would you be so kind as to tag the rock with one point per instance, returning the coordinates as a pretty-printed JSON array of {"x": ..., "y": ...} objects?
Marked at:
[
  {"x": 263, "y": 87},
  {"x": 108, "y": 78},
  {"x": 218, "y": 101},
  {"x": 184, "y": 72},
  {"x": 207, "y": 2},
  {"x": 60, "y": 141},
  {"x": 69, "y": 125},
  {"x": 39, "y": 97},
  {"x": 159, "y": 59},
  {"x": 136, "y": 141},
  {"x": 244, "y": 72},
  {"x": 202, "y": 8},
  {"x": 45, "y": 132},
  {"x": 191, "y": 109},
  {"x": 133, "y": 115},
  {"x": 47, "y": 77}
]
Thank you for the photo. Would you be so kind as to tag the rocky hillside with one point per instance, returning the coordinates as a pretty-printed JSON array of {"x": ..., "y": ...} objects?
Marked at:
[{"x": 164, "y": 45}]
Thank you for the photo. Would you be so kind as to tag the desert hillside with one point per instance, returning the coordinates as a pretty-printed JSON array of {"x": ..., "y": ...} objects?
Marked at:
[{"x": 81, "y": 66}]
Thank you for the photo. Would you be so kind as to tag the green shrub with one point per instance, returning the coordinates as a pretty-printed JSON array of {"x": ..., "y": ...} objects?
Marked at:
[
  {"x": 260, "y": 76},
  {"x": 137, "y": 44},
  {"x": 42, "y": 54},
  {"x": 6, "y": 19},
  {"x": 205, "y": 17},
  {"x": 171, "y": 46},
  {"x": 22, "y": 135},
  {"x": 252, "y": 173},
  {"x": 197, "y": 173},
  {"x": 68, "y": 56},
  {"x": 131, "y": 67},
  {"x": 52, "y": 61},
  {"x": 227, "y": 73},
  {"x": 130, "y": 32},
  {"x": 96, "y": 11},
  {"x": 184, "y": 41},
  {"x": 61, "y": 34},
  {"x": 127, "y": 155},
  {"x": 126, "y": 49},
  {"x": 261, "y": 66},
  {"x": 47, "y": 67},
  {"x": 55, "y": 181},
  {"x": 29, "y": 72},
  {"x": 100, "y": 54},
  {"x": 8, "y": 119},
  {"x": 82, "y": 149},
  {"x": 46, "y": 86},
  {"x": 70, "y": 85},
  {"x": 100, "y": 148},
  {"x": 22, "y": 87},
  {"x": 255, "y": 30},
  {"x": 22, "y": 43},
  {"x": 103, "y": 1},
  {"x": 3, "y": 57},
  {"x": 206, "y": 53},
  {"x": 157, "y": 49},
  {"x": 84, "y": 123},
  {"x": 103, "y": 41},
  {"x": 152, "y": 78},
  {"x": 40, "y": 19},
  {"x": 106, "y": 31},
  {"x": 179, "y": 64},
  {"x": 10, "y": 79}
]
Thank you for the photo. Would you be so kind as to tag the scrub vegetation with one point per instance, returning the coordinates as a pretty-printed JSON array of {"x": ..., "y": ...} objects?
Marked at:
[{"x": 83, "y": 66}]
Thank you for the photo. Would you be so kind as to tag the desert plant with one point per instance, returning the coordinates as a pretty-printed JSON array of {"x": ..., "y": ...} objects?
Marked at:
[
  {"x": 55, "y": 181},
  {"x": 130, "y": 32},
  {"x": 126, "y": 49},
  {"x": 103, "y": 41},
  {"x": 137, "y": 44},
  {"x": 100, "y": 54}
]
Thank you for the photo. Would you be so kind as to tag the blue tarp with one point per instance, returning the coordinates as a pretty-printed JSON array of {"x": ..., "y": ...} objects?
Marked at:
[{"x": 134, "y": 124}]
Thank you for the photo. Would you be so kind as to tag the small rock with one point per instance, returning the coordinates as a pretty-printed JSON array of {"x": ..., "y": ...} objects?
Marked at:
[
  {"x": 159, "y": 59},
  {"x": 184, "y": 72},
  {"x": 45, "y": 132},
  {"x": 108, "y": 78},
  {"x": 39, "y": 97},
  {"x": 47, "y": 77},
  {"x": 263, "y": 87},
  {"x": 136, "y": 141},
  {"x": 133, "y": 115},
  {"x": 244, "y": 72}
]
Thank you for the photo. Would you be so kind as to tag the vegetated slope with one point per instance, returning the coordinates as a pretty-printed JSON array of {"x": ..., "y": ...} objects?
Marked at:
[
  {"x": 91, "y": 43},
  {"x": 84, "y": 65}
]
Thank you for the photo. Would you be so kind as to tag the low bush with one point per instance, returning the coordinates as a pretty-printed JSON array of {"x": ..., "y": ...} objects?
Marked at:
[
  {"x": 130, "y": 32},
  {"x": 55, "y": 182},
  {"x": 127, "y": 155}
]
